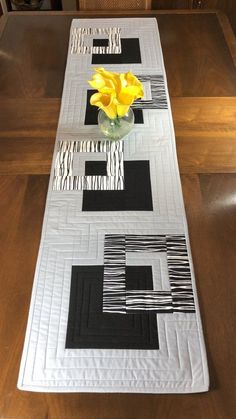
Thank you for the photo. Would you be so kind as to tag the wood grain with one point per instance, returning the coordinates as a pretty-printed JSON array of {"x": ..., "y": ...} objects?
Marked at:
[
  {"x": 202, "y": 84},
  {"x": 27, "y": 136},
  {"x": 226, "y": 6},
  {"x": 205, "y": 131},
  {"x": 21, "y": 212}
]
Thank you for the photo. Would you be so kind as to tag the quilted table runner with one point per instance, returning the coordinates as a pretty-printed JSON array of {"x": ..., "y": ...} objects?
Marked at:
[{"x": 114, "y": 305}]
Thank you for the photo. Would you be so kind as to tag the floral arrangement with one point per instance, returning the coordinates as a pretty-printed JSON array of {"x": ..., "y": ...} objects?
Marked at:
[{"x": 116, "y": 92}]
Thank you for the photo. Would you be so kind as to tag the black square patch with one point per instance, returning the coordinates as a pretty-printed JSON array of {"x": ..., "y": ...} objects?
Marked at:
[
  {"x": 100, "y": 42},
  {"x": 89, "y": 327},
  {"x": 137, "y": 195},
  {"x": 130, "y": 53},
  {"x": 98, "y": 168}
]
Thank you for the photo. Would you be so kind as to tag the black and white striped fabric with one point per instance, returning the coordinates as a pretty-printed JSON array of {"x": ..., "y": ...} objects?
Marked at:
[
  {"x": 114, "y": 289},
  {"x": 156, "y": 301},
  {"x": 81, "y": 35},
  {"x": 158, "y": 94},
  {"x": 64, "y": 178},
  {"x": 114, "y": 303},
  {"x": 115, "y": 297}
]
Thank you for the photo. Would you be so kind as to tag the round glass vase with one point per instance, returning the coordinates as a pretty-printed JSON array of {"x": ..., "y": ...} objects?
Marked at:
[{"x": 116, "y": 128}]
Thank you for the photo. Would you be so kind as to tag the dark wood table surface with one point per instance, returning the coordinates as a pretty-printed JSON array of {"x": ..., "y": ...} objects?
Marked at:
[{"x": 199, "y": 54}]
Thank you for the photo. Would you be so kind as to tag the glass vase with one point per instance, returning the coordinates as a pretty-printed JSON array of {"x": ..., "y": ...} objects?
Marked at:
[{"x": 116, "y": 128}]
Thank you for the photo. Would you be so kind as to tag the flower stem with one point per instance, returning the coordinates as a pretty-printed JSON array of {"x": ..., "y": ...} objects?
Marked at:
[{"x": 117, "y": 121}]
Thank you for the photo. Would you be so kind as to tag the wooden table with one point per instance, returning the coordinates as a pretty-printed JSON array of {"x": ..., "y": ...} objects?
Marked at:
[{"x": 199, "y": 51}]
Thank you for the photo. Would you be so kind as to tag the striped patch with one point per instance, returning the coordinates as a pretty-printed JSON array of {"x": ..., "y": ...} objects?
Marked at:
[
  {"x": 64, "y": 180},
  {"x": 158, "y": 301},
  {"x": 158, "y": 93},
  {"x": 114, "y": 289},
  {"x": 116, "y": 299},
  {"x": 78, "y": 41},
  {"x": 141, "y": 243},
  {"x": 179, "y": 274}
]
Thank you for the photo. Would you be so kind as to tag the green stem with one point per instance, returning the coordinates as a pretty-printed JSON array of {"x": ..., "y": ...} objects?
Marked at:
[{"x": 117, "y": 121}]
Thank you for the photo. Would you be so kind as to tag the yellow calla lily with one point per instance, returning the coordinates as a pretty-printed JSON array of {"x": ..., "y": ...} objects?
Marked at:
[
  {"x": 122, "y": 110},
  {"x": 105, "y": 103},
  {"x": 103, "y": 78},
  {"x": 116, "y": 92},
  {"x": 107, "y": 74},
  {"x": 128, "y": 94},
  {"x": 132, "y": 80},
  {"x": 100, "y": 82}
]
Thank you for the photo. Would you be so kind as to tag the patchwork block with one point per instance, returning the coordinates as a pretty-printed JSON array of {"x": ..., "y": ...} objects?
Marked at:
[
  {"x": 129, "y": 54},
  {"x": 81, "y": 36},
  {"x": 157, "y": 98},
  {"x": 89, "y": 327},
  {"x": 135, "y": 196},
  {"x": 116, "y": 299},
  {"x": 65, "y": 179}
]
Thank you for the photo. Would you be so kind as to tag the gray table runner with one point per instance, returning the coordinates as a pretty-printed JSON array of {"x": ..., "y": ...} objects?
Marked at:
[{"x": 114, "y": 305}]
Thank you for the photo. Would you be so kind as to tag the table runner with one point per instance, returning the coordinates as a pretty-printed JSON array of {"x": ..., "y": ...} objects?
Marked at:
[{"x": 114, "y": 305}]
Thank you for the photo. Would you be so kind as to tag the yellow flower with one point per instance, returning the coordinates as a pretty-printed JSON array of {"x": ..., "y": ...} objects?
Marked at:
[
  {"x": 130, "y": 90},
  {"x": 116, "y": 92},
  {"x": 104, "y": 102},
  {"x": 104, "y": 81}
]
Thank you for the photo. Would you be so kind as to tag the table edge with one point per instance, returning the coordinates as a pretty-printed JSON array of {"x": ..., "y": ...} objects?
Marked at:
[{"x": 223, "y": 20}]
